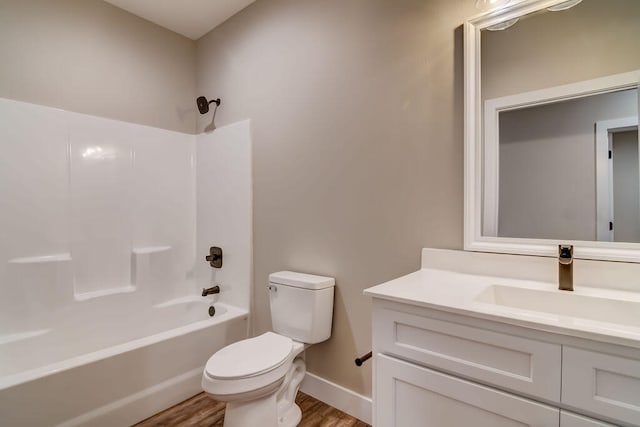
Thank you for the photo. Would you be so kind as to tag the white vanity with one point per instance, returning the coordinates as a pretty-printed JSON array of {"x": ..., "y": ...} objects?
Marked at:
[{"x": 487, "y": 340}]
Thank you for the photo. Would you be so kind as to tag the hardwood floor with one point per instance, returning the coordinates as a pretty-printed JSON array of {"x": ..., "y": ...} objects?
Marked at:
[{"x": 202, "y": 411}]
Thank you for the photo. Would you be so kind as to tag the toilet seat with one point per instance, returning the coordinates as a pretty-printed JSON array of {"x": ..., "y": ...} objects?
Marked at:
[
  {"x": 249, "y": 368},
  {"x": 250, "y": 357}
]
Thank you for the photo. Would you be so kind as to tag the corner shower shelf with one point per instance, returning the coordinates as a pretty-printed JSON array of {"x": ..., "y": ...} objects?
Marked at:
[
  {"x": 104, "y": 292},
  {"x": 61, "y": 257},
  {"x": 150, "y": 250},
  {"x": 5, "y": 339}
]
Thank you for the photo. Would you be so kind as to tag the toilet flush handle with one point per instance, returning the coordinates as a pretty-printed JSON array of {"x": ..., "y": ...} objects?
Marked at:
[{"x": 273, "y": 288}]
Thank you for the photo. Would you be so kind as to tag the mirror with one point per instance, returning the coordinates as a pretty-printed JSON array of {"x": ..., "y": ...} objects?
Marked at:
[{"x": 551, "y": 129}]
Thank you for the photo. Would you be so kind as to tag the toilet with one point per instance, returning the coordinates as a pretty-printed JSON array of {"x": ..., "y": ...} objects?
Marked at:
[{"x": 259, "y": 377}]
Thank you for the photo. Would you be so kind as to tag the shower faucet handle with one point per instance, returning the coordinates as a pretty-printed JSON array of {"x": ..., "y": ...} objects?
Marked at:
[{"x": 214, "y": 257}]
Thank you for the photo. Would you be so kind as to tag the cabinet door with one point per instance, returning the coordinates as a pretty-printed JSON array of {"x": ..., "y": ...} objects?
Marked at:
[
  {"x": 602, "y": 384},
  {"x": 567, "y": 419},
  {"x": 407, "y": 395}
]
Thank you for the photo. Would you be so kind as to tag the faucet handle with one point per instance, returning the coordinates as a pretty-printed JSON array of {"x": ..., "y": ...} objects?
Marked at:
[
  {"x": 565, "y": 254},
  {"x": 215, "y": 257}
]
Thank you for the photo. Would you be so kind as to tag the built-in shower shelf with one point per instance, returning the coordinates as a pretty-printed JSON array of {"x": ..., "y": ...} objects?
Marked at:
[
  {"x": 153, "y": 270},
  {"x": 104, "y": 292},
  {"x": 151, "y": 250},
  {"x": 41, "y": 259},
  {"x": 5, "y": 339}
]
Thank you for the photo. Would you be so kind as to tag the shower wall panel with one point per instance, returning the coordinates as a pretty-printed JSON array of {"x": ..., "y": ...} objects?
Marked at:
[
  {"x": 90, "y": 207},
  {"x": 34, "y": 214},
  {"x": 164, "y": 212},
  {"x": 224, "y": 180},
  {"x": 101, "y": 173},
  {"x": 33, "y": 181}
]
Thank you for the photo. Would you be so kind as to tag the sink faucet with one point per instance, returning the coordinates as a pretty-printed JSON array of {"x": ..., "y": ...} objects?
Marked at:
[
  {"x": 565, "y": 267},
  {"x": 211, "y": 291}
]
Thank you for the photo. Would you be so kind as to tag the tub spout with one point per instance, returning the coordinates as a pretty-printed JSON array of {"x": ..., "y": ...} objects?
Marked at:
[{"x": 210, "y": 291}]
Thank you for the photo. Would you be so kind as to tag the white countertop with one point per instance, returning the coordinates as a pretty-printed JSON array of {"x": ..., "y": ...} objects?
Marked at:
[{"x": 457, "y": 293}]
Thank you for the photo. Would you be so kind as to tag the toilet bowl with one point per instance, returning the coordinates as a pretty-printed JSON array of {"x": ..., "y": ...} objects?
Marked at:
[
  {"x": 259, "y": 377},
  {"x": 258, "y": 390}
]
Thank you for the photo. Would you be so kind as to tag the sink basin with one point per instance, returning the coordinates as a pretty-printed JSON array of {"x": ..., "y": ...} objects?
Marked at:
[{"x": 563, "y": 303}]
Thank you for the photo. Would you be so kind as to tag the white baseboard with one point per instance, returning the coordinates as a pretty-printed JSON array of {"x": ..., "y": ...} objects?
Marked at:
[{"x": 341, "y": 398}]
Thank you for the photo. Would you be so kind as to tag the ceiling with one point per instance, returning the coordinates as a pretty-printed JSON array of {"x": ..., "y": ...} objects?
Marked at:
[{"x": 191, "y": 18}]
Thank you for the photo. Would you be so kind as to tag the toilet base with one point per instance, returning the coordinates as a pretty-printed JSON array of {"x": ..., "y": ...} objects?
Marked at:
[
  {"x": 291, "y": 418},
  {"x": 260, "y": 412},
  {"x": 257, "y": 412},
  {"x": 276, "y": 409},
  {"x": 289, "y": 414}
]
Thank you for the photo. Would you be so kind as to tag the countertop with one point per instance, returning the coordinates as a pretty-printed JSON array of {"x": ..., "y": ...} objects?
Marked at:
[{"x": 459, "y": 293}]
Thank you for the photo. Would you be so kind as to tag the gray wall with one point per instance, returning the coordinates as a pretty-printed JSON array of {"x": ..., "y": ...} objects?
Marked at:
[
  {"x": 357, "y": 121},
  {"x": 90, "y": 57}
]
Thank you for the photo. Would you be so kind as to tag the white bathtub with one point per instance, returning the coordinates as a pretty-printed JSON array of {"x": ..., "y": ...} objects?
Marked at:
[
  {"x": 75, "y": 375},
  {"x": 102, "y": 249}
]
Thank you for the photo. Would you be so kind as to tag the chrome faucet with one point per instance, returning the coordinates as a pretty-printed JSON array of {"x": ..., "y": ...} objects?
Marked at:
[
  {"x": 210, "y": 291},
  {"x": 565, "y": 267}
]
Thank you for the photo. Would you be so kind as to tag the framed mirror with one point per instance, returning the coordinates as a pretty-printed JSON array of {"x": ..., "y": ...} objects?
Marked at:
[{"x": 551, "y": 128}]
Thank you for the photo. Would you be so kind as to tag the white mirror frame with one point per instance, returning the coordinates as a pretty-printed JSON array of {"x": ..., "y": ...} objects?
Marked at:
[{"x": 475, "y": 164}]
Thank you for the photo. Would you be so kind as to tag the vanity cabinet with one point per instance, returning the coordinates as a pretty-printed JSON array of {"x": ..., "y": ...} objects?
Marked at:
[{"x": 434, "y": 368}]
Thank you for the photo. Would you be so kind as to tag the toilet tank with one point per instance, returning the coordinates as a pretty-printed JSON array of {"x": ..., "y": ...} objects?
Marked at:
[{"x": 301, "y": 305}]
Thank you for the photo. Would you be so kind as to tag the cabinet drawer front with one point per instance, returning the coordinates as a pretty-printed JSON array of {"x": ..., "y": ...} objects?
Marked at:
[
  {"x": 602, "y": 383},
  {"x": 567, "y": 419},
  {"x": 407, "y": 395},
  {"x": 515, "y": 363}
]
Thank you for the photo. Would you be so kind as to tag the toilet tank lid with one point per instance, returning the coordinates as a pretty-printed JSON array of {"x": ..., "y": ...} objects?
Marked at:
[{"x": 301, "y": 280}]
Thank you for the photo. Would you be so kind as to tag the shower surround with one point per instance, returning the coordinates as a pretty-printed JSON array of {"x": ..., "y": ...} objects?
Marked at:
[{"x": 104, "y": 228}]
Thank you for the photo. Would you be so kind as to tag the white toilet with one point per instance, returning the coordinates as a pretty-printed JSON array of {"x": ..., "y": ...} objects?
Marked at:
[{"x": 259, "y": 377}]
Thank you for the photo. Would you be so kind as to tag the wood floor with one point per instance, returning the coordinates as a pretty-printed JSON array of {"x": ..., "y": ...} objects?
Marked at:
[{"x": 202, "y": 411}]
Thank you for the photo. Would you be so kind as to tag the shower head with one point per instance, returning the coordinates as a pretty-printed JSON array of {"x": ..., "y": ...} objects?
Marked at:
[{"x": 203, "y": 104}]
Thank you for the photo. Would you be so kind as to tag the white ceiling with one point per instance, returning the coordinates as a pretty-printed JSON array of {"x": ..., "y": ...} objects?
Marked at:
[{"x": 191, "y": 18}]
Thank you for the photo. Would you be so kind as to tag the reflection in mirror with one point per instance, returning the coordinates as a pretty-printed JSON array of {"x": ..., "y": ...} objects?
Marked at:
[{"x": 548, "y": 174}]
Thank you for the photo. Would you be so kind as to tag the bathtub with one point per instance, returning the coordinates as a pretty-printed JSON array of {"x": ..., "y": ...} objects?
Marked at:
[
  {"x": 102, "y": 260},
  {"x": 112, "y": 370}
]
